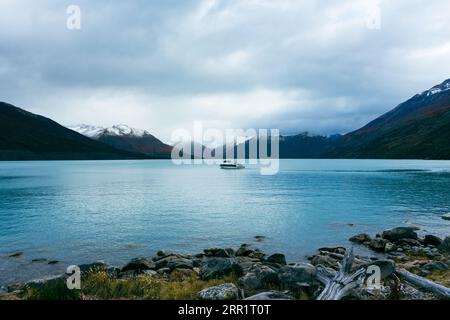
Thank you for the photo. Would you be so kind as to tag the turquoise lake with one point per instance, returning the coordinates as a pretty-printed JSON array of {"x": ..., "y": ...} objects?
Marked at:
[{"x": 82, "y": 211}]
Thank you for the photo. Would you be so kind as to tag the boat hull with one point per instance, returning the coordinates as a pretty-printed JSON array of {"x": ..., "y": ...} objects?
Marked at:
[{"x": 231, "y": 166}]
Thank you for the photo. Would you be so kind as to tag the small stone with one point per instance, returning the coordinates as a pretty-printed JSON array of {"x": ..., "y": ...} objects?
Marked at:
[
  {"x": 378, "y": 244},
  {"x": 260, "y": 238},
  {"x": 339, "y": 250},
  {"x": 226, "y": 291},
  {"x": 360, "y": 238},
  {"x": 161, "y": 253},
  {"x": 16, "y": 254},
  {"x": 389, "y": 247},
  {"x": 163, "y": 271},
  {"x": 150, "y": 273},
  {"x": 446, "y": 216}
]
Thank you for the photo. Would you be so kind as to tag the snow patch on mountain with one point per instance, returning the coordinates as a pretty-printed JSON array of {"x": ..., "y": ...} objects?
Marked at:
[
  {"x": 444, "y": 86},
  {"x": 87, "y": 130},
  {"x": 124, "y": 130},
  {"x": 116, "y": 130}
]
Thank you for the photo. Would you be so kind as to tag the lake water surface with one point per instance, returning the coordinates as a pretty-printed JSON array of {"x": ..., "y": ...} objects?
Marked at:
[{"x": 81, "y": 211}]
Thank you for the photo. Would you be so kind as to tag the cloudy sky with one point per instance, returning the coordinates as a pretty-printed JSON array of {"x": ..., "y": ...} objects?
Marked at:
[{"x": 296, "y": 65}]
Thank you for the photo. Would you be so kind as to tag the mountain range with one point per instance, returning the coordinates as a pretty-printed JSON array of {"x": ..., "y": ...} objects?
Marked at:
[
  {"x": 418, "y": 128},
  {"x": 126, "y": 138}
]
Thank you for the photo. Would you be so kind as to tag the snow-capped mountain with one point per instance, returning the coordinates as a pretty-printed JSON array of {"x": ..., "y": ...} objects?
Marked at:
[
  {"x": 126, "y": 138},
  {"x": 444, "y": 86},
  {"x": 116, "y": 130}
]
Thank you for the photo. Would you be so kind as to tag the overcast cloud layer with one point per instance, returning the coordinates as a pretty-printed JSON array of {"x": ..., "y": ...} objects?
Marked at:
[{"x": 296, "y": 65}]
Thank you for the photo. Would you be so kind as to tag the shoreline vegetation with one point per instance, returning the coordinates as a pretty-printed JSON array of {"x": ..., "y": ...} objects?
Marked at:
[{"x": 411, "y": 268}]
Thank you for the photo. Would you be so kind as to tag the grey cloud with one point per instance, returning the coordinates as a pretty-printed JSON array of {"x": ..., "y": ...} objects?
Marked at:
[{"x": 163, "y": 57}]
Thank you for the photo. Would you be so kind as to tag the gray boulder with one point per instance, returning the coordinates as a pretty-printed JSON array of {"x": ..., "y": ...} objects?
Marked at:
[
  {"x": 390, "y": 247},
  {"x": 324, "y": 260},
  {"x": 435, "y": 265},
  {"x": 217, "y": 267},
  {"x": 163, "y": 262},
  {"x": 431, "y": 240},
  {"x": 338, "y": 250},
  {"x": 96, "y": 266},
  {"x": 387, "y": 267},
  {"x": 400, "y": 233},
  {"x": 360, "y": 238},
  {"x": 226, "y": 291},
  {"x": 257, "y": 254},
  {"x": 244, "y": 251},
  {"x": 180, "y": 263},
  {"x": 378, "y": 244},
  {"x": 293, "y": 276},
  {"x": 246, "y": 263},
  {"x": 42, "y": 282},
  {"x": 139, "y": 264},
  {"x": 277, "y": 258},
  {"x": 444, "y": 247},
  {"x": 259, "y": 276},
  {"x": 409, "y": 242}
]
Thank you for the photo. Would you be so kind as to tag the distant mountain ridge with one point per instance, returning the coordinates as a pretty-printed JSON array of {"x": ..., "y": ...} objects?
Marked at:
[
  {"x": 127, "y": 138},
  {"x": 418, "y": 128}
]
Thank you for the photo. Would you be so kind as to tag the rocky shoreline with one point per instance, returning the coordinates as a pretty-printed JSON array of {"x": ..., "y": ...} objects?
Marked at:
[{"x": 248, "y": 273}]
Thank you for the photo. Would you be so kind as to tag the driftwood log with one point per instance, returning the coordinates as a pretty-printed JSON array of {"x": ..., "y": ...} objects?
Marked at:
[
  {"x": 270, "y": 295},
  {"x": 424, "y": 284},
  {"x": 340, "y": 283}
]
